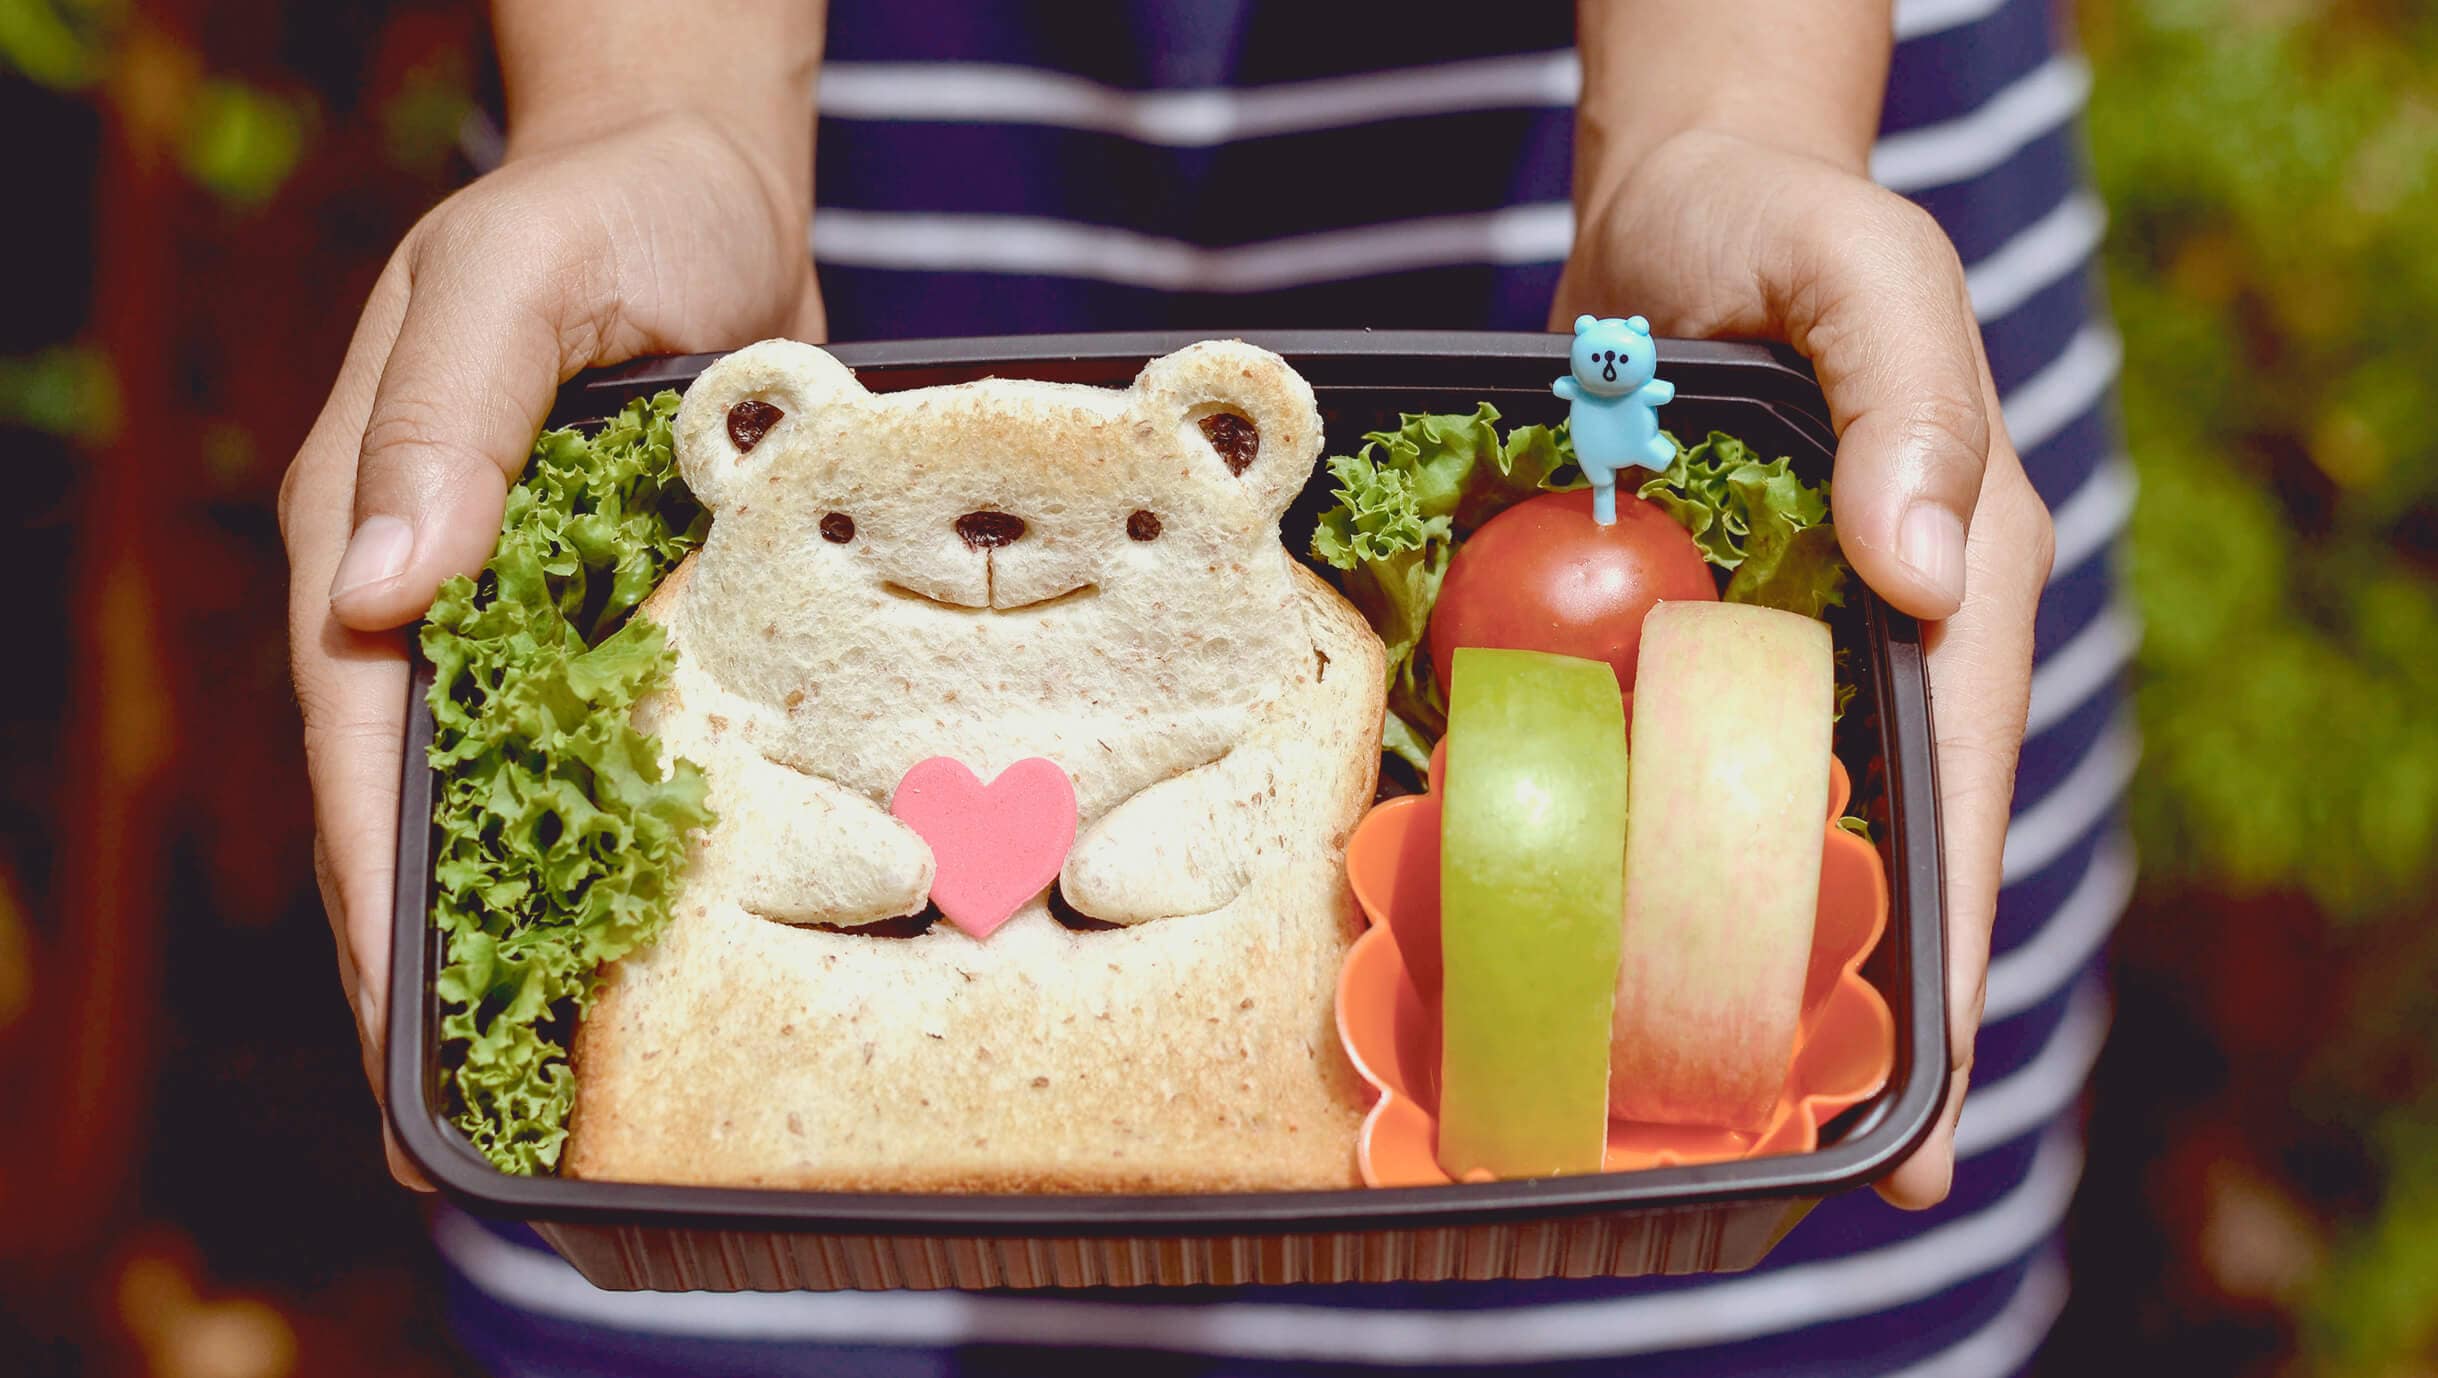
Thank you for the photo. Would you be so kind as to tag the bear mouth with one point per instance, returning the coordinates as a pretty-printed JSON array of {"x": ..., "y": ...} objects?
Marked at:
[{"x": 1079, "y": 593}]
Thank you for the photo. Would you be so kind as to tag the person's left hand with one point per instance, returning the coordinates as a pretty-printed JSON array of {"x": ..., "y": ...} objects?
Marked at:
[{"x": 1712, "y": 234}]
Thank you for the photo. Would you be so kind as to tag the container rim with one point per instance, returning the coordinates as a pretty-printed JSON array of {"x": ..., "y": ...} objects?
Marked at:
[{"x": 1417, "y": 362}]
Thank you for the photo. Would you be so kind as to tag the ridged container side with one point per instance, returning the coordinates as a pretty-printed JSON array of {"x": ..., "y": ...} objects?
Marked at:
[{"x": 1702, "y": 1239}]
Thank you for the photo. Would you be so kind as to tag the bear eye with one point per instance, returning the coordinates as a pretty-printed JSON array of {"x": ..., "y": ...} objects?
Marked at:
[
  {"x": 1235, "y": 437},
  {"x": 838, "y": 528},
  {"x": 1143, "y": 525},
  {"x": 748, "y": 422}
]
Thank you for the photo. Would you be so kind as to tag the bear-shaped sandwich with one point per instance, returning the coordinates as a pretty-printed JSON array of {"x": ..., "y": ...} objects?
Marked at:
[{"x": 992, "y": 572}]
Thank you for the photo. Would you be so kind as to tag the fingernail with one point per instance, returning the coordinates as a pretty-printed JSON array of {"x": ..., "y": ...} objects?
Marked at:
[
  {"x": 378, "y": 551},
  {"x": 1931, "y": 541}
]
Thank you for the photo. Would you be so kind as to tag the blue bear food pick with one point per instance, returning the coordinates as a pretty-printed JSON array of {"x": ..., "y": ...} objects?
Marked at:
[{"x": 1613, "y": 392}]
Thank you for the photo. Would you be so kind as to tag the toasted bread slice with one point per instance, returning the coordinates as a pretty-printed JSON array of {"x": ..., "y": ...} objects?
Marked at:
[{"x": 1185, "y": 1041}]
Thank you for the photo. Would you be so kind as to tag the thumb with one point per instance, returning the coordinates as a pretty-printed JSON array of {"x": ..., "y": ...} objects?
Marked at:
[
  {"x": 1878, "y": 303},
  {"x": 479, "y": 355}
]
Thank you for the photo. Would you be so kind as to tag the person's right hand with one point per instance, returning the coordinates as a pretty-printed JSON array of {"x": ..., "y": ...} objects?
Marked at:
[{"x": 664, "y": 235}]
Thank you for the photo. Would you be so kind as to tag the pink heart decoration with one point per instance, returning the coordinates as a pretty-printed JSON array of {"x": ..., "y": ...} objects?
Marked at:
[{"x": 992, "y": 846}]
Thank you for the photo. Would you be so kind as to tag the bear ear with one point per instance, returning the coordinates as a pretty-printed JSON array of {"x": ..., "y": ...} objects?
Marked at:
[
  {"x": 1241, "y": 409},
  {"x": 742, "y": 409},
  {"x": 1585, "y": 324},
  {"x": 1638, "y": 325}
]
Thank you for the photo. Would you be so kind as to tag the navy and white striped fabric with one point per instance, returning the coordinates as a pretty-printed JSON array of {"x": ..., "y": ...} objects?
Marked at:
[{"x": 1042, "y": 166}]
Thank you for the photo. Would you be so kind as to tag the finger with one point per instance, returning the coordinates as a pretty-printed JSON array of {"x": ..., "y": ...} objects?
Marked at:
[
  {"x": 1980, "y": 674},
  {"x": 373, "y": 1039},
  {"x": 1933, "y": 509},
  {"x": 1980, "y": 669},
  {"x": 1923, "y": 1179},
  {"x": 350, "y": 687},
  {"x": 499, "y": 312},
  {"x": 1875, "y": 297},
  {"x": 351, "y": 983},
  {"x": 400, "y": 1166},
  {"x": 354, "y": 700}
]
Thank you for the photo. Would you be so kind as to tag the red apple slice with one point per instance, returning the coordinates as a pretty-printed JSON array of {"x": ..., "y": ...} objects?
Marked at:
[{"x": 1732, "y": 709}]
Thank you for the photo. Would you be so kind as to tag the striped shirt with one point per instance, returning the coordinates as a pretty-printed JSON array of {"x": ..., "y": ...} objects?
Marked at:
[{"x": 1044, "y": 166}]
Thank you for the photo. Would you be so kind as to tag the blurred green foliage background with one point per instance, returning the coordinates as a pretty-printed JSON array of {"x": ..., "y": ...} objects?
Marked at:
[
  {"x": 2271, "y": 172},
  {"x": 2273, "y": 187}
]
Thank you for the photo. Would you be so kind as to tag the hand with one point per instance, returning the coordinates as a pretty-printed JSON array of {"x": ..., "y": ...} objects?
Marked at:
[
  {"x": 1715, "y": 234},
  {"x": 661, "y": 235}
]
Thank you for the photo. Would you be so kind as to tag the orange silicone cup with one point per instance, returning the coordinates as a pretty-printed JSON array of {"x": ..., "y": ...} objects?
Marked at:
[{"x": 1388, "y": 1003}]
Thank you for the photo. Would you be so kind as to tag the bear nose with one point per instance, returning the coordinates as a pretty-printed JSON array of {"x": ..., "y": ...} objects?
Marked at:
[{"x": 988, "y": 530}]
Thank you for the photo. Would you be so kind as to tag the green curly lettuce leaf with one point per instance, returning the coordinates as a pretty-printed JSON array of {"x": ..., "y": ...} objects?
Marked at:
[
  {"x": 1536, "y": 459},
  {"x": 1758, "y": 520},
  {"x": 1403, "y": 502},
  {"x": 560, "y": 837},
  {"x": 1384, "y": 534}
]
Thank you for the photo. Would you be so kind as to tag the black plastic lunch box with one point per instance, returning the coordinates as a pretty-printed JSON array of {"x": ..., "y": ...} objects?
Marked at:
[{"x": 1717, "y": 1216}]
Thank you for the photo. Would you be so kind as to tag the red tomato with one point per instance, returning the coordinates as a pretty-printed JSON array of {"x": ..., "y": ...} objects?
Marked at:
[{"x": 1543, "y": 576}]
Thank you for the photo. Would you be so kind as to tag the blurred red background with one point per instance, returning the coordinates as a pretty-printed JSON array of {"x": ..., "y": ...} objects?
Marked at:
[{"x": 193, "y": 1181}]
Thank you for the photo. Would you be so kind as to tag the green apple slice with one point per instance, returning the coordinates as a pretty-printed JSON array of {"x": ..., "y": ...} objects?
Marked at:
[
  {"x": 1732, "y": 710},
  {"x": 1532, "y": 834}
]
